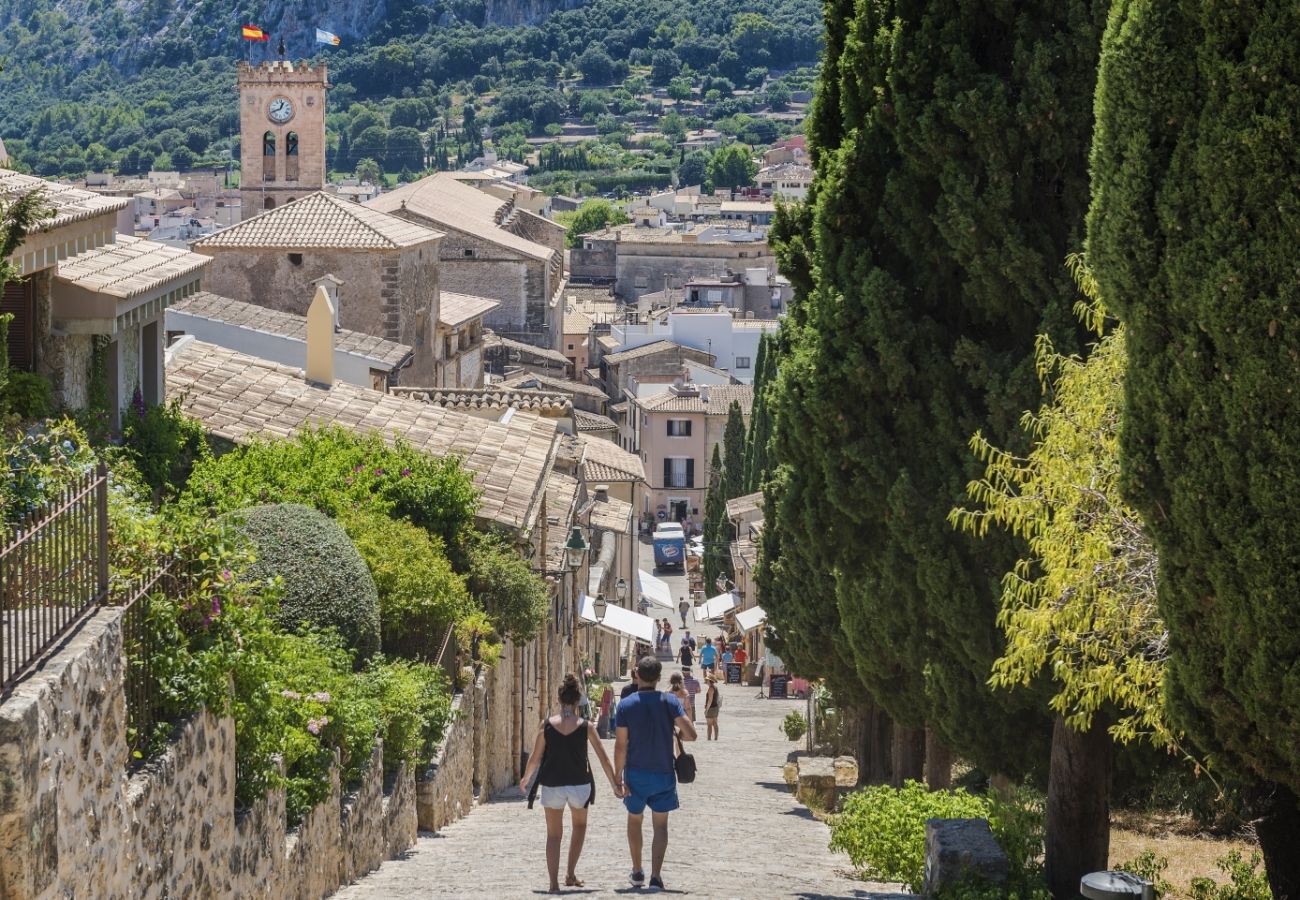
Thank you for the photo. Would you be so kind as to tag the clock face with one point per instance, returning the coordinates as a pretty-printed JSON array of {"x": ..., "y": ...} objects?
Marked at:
[{"x": 280, "y": 110}]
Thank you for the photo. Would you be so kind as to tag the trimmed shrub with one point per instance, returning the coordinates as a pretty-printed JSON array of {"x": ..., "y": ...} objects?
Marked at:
[{"x": 325, "y": 581}]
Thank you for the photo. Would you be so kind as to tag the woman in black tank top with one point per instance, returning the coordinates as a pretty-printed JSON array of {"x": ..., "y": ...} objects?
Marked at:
[{"x": 563, "y": 778}]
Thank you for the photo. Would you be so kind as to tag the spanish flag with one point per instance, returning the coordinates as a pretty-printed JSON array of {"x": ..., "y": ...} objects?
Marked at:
[
  {"x": 253, "y": 33},
  {"x": 326, "y": 37}
]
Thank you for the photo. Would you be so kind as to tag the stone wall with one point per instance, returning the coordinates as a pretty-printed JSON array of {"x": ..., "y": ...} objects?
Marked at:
[{"x": 74, "y": 823}]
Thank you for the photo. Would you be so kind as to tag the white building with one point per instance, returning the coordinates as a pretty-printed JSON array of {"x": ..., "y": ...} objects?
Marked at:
[{"x": 734, "y": 342}]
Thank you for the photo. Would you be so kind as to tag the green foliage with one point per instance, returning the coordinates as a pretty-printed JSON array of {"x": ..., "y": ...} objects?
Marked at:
[
  {"x": 757, "y": 464},
  {"x": 733, "y": 439},
  {"x": 1190, "y": 239},
  {"x": 163, "y": 444},
  {"x": 1246, "y": 880},
  {"x": 922, "y": 276},
  {"x": 882, "y": 829},
  {"x": 478, "y": 624},
  {"x": 1151, "y": 866},
  {"x": 717, "y": 555},
  {"x": 325, "y": 581},
  {"x": 40, "y": 465},
  {"x": 593, "y": 215},
  {"x": 420, "y": 595},
  {"x": 334, "y": 469},
  {"x": 415, "y": 708},
  {"x": 732, "y": 166},
  {"x": 794, "y": 725},
  {"x": 26, "y": 395},
  {"x": 515, "y": 599}
]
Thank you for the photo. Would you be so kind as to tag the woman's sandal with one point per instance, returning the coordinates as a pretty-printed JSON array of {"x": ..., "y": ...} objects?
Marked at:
[{"x": 573, "y": 881}]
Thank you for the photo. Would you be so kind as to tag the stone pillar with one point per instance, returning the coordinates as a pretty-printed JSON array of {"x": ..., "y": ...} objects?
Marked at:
[{"x": 958, "y": 850}]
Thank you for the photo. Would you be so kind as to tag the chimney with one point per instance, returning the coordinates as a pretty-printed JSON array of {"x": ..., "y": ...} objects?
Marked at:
[
  {"x": 331, "y": 286},
  {"x": 320, "y": 338},
  {"x": 602, "y": 493}
]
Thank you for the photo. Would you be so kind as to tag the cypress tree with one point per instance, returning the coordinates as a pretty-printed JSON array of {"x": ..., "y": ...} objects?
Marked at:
[
  {"x": 1191, "y": 236},
  {"x": 760, "y": 419},
  {"x": 717, "y": 555},
  {"x": 733, "y": 439},
  {"x": 950, "y": 143}
]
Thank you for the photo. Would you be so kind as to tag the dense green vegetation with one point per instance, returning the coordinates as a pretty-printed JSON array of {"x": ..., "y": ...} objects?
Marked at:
[
  {"x": 1191, "y": 236},
  {"x": 129, "y": 94}
]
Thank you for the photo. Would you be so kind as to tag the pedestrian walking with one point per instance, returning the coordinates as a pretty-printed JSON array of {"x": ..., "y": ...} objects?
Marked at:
[
  {"x": 689, "y": 638},
  {"x": 683, "y": 607},
  {"x": 644, "y": 766},
  {"x": 712, "y": 706},
  {"x": 668, "y": 636},
  {"x": 740, "y": 657},
  {"x": 692, "y": 685},
  {"x": 708, "y": 656},
  {"x": 563, "y": 778},
  {"x": 685, "y": 656},
  {"x": 677, "y": 688},
  {"x": 659, "y": 632}
]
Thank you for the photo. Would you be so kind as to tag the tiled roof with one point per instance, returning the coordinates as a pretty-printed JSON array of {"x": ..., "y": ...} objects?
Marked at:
[
  {"x": 742, "y": 506},
  {"x": 321, "y": 221},
  {"x": 576, "y": 323},
  {"x": 487, "y": 398},
  {"x": 491, "y": 339},
  {"x": 242, "y": 398},
  {"x": 604, "y": 461},
  {"x": 287, "y": 324},
  {"x": 649, "y": 350},
  {"x": 585, "y": 421},
  {"x": 611, "y": 513},
  {"x": 561, "y": 498},
  {"x": 746, "y": 551},
  {"x": 457, "y": 309},
  {"x": 69, "y": 204},
  {"x": 450, "y": 203},
  {"x": 129, "y": 267},
  {"x": 717, "y": 402},
  {"x": 562, "y": 385}
]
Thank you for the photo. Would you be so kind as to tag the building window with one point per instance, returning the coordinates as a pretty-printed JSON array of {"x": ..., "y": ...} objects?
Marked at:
[
  {"x": 469, "y": 252},
  {"x": 679, "y": 427},
  {"x": 291, "y": 156},
  {"x": 268, "y": 156},
  {"x": 742, "y": 362},
  {"x": 679, "y": 472},
  {"x": 295, "y": 259}
]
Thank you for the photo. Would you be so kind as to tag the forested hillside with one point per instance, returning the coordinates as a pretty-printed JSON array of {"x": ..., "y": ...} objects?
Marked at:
[{"x": 94, "y": 84}]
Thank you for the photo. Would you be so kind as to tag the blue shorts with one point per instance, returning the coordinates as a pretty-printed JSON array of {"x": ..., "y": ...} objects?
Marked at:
[{"x": 658, "y": 790}]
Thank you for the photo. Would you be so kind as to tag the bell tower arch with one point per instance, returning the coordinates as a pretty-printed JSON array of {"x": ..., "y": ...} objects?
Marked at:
[{"x": 282, "y": 133}]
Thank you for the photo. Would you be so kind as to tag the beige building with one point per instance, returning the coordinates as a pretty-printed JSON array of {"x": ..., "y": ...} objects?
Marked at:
[
  {"x": 281, "y": 133},
  {"x": 675, "y": 431},
  {"x": 388, "y": 268},
  {"x": 81, "y": 283},
  {"x": 655, "y": 360},
  {"x": 492, "y": 249},
  {"x": 574, "y": 346}
]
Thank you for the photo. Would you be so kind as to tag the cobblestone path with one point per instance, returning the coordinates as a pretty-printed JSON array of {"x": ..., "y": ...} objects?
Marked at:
[{"x": 739, "y": 834}]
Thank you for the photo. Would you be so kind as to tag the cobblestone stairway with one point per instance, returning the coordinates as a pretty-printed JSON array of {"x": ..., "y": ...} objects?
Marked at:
[{"x": 739, "y": 834}]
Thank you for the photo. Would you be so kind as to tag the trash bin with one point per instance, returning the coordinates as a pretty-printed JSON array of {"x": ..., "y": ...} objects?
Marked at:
[{"x": 1116, "y": 886}]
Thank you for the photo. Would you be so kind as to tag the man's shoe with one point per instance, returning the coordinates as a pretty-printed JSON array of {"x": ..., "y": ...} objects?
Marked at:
[
  {"x": 637, "y": 878},
  {"x": 656, "y": 883}
]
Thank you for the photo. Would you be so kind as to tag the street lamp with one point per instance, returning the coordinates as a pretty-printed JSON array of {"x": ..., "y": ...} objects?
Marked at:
[
  {"x": 575, "y": 548},
  {"x": 620, "y": 590},
  {"x": 600, "y": 607}
]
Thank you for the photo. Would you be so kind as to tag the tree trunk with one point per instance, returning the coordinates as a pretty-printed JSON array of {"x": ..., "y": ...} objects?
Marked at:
[
  {"x": 879, "y": 766},
  {"x": 1078, "y": 807},
  {"x": 908, "y": 755},
  {"x": 1278, "y": 831},
  {"x": 938, "y": 762}
]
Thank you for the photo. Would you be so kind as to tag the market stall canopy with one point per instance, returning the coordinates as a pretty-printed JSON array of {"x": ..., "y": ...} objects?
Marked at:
[
  {"x": 716, "y": 607},
  {"x": 749, "y": 619},
  {"x": 656, "y": 590},
  {"x": 619, "y": 620}
]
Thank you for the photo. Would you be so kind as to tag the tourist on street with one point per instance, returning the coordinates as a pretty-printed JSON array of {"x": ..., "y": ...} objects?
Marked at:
[
  {"x": 712, "y": 704},
  {"x": 709, "y": 656},
  {"x": 685, "y": 656},
  {"x": 727, "y": 657},
  {"x": 563, "y": 776},
  {"x": 659, "y": 632},
  {"x": 678, "y": 689},
  {"x": 668, "y": 636},
  {"x": 741, "y": 657},
  {"x": 689, "y": 639},
  {"x": 683, "y": 607},
  {"x": 643, "y": 764},
  {"x": 692, "y": 685}
]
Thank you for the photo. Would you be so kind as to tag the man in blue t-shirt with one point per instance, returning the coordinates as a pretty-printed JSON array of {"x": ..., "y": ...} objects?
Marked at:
[
  {"x": 708, "y": 655},
  {"x": 643, "y": 764}
]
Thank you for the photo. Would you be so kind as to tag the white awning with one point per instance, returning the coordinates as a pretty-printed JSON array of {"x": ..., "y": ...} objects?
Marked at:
[
  {"x": 620, "y": 621},
  {"x": 656, "y": 590},
  {"x": 716, "y": 607},
  {"x": 749, "y": 619}
]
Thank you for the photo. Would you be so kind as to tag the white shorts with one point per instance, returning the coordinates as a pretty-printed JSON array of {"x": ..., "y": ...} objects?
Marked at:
[{"x": 574, "y": 795}]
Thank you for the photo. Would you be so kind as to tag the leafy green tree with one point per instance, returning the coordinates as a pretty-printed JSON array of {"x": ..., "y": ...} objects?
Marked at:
[
  {"x": 760, "y": 420},
  {"x": 664, "y": 67},
  {"x": 369, "y": 171},
  {"x": 923, "y": 276},
  {"x": 679, "y": 89},
  {"x": 1191, "y": 238},
  {"x": 752, "y": 35},
  {"x": 596, "y": 64},
  {"x": 732, "y": 166},
  {"x": 405, "y": 149},
  {"x": 693, "y": 169},
  {"x": 717, "y": 556},
  {"x": 373, "y": 143},
  {"x": 733, "y": 440},
  {"x": 593, "y": 215},
  {"x": 778, "y": 96}
]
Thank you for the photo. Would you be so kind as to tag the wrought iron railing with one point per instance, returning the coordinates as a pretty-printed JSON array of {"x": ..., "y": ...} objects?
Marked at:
[{"x": 53, "y": 573}]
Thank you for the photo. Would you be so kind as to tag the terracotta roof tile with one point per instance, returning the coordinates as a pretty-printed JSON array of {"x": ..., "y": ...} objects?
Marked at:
[
  {"x": 129, "y": 267},
  {"x": 487, "y": 398},
  {"x": 242, "y": 398},
  {"x": 650, "y": 349},
  {"x": 604, "y": 461},
  {"x": 562, "y": 385},
  {"x": 741, "y": 506},
  {"x": 321, "y": 221},
  {"x": 586, "y": 421},
  {"x": 457, "y": 309},
  {"x": 69, "y": 204}
]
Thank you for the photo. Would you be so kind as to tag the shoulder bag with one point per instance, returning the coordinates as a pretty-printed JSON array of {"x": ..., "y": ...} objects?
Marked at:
[{"x": 684, "y": 763}]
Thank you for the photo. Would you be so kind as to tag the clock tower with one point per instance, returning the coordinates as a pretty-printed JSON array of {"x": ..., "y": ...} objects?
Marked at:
[{"x": 282, "y": 133}]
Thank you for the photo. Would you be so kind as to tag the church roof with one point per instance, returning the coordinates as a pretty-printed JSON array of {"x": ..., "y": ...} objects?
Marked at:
[
  {"x": 320, "y": 221},
  {"x": 450, "y": 203},
  {"x": 69, "y": 204}
]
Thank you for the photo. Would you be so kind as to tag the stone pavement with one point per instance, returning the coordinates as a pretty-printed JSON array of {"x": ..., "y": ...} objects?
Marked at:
[{"x": 739, "y": 834}]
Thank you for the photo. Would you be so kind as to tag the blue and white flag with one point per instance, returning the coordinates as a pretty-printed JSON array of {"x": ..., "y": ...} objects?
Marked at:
[{"x": 325, "y": 37}]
